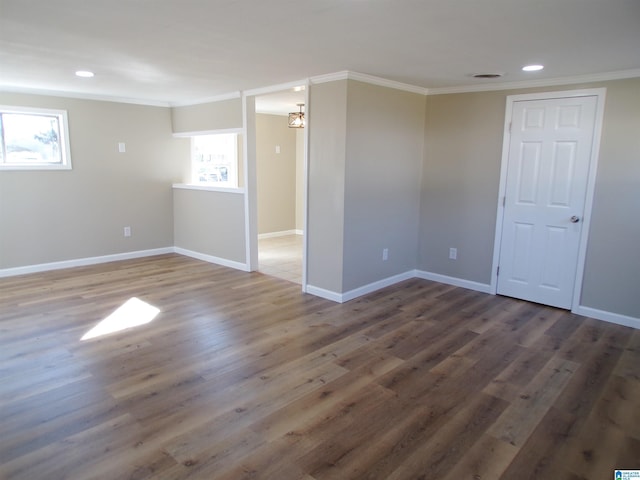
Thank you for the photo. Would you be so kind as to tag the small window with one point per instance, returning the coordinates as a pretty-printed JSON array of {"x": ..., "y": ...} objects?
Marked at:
[
  {"x": 215, "y": 160},
  {"x": 33, "y": 139}
]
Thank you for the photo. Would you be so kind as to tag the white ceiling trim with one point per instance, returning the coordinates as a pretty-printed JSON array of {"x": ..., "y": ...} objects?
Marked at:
[
  {"x": 371, "y": 79},
  {"x": 383, "y": 82},
  {"x": 343, "y": 75},
  {"x": 214, "y": 99},
  {"x": 329, "y": 77},
  {"x": 547, "y": 82},
  {"x": 84, "y": 96},
  {"x": 275, "y": 88}
]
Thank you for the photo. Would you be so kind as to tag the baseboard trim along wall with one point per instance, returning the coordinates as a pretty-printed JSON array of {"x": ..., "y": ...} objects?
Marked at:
[
  {"x": 372, "y": 287},
  {"x": 83, "y": 262},
  {"x": 458, "y": 282},
  {"x": 212, "y": 259},
  {"x": 358, "y": 292},
  {"x": 386, "y": 282},
  {"x": 326, "y": 294},
  {"x": 605, "y": 316}
]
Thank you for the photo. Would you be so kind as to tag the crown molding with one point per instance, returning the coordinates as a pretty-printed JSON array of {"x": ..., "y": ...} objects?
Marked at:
[
  {"x": 83, "y": 96},
  {"x": 365, "y": 78},
  {"x": 329, "y": 77},
  {"x": 543, "y": 82},
  {"x": 202, "y": 101},
  {"x": 332, "y": 77},
  {"x": 275, "y": 88},
  {"x": 383, "y": 82}
]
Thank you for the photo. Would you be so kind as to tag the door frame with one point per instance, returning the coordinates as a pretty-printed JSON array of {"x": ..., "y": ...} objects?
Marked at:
[
  {"x": 600, "y": 94},
  {"x": 250, "y": 172}
]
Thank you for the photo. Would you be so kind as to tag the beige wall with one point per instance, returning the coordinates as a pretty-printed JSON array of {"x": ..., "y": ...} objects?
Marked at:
[
  {"x": 327, "y": 156},
  {"x": 364, "y": 192},
  {"x": 225, "y": 114},
  {"x": 460, "y": 181},
  {"x": 463, "y": 135},
  {"x": 50, "y": 216},
  {"x": 276, "y": 174},
  {"x": 210, "y": 223},
  {"x": 612, "y": 270},
  {"x": 385, "y": 134},
  {"x": 364, "y": 183}
]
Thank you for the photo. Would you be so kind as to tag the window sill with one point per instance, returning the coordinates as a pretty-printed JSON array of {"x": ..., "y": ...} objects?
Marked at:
[
  {"x": 14, "y": 167},
  {"x": 207, "y": 188}
]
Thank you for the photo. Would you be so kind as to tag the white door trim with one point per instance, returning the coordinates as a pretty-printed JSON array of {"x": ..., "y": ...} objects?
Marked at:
[
  {"x": 250, "y": 189},
  {"x": 250, "y": 174},
  {"x": 600, "y": 93},
  {"x": 305, "y": 185}
]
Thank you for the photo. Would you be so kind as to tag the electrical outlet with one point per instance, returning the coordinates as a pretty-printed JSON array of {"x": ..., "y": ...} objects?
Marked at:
[
  {"x": 385, "y": 254},
  {"x": 127, "y": 231},
  {"x": 453, "y": 253}
]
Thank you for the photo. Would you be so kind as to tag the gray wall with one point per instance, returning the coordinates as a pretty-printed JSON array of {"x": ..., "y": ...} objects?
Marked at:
[
  {"x": 612, "y": 270},
  {"x": 207, "y": 116},
  {"x": 362, "y": 188},
  {"x": 385, "y": 132},
  {"x": 276, "y": 174},
  {"x": 50, "y": 216},
  {"x": 460, "y": 181},
  {"x": 463, "y": 148},
  {"x": 209, "y": 222},
  {"x": 326, "y": 184},
  {"x": 366, "y": 146}
]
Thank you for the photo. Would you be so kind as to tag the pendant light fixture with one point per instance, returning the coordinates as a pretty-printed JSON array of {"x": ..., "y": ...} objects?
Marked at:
[{"x": 296, "y": 119}]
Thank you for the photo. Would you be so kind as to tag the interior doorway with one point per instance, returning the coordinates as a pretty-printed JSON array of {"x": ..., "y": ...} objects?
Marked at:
[
  {"x": 280, "y": 166},
  {"x": 549, "y": 165}
]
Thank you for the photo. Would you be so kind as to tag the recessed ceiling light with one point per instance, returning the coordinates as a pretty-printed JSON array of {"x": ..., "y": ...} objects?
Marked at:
[
  {"x": 299, "y": 89},
  {"x": 532, "y": 68},
  {"x": 84, "y": 74}
]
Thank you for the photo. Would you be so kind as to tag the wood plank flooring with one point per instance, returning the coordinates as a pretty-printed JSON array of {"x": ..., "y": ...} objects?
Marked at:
[{"x": 241, "y": 376}]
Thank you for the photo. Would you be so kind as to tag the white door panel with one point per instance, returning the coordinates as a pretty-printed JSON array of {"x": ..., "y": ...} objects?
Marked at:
[{"x": 547, "y": 174}]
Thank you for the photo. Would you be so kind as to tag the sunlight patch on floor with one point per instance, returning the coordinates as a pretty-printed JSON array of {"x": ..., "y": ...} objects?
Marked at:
[{"x": 132, "y": 313}]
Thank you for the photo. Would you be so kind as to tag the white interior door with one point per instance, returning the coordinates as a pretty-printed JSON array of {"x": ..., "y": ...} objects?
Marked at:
[{"x": 547, "y": 174}]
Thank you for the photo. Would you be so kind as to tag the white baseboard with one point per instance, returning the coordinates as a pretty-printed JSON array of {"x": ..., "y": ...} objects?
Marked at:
[
  {"x": 457, "y": 282},
  {"x": 603, "y": 315},
  {"x": 358, "y": 292},
  {"x": 283, "y": 233},
  {"x": 372, "y": 287},
  {"x": 607, "y": 316},
  {"x": 212, "y": 259},
  {"x": 322, "y": 293},
  {"x": 82, "y": 262}
]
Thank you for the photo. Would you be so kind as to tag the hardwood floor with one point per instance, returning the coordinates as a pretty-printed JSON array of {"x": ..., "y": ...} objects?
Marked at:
[{"x": 241, "y": 376}]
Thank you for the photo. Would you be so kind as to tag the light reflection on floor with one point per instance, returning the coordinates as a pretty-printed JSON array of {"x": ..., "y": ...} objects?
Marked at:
[{"x": 132, "y": 313}]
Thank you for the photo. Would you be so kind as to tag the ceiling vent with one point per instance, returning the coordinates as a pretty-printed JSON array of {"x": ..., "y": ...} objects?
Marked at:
[{"x": 487, "y": 75}]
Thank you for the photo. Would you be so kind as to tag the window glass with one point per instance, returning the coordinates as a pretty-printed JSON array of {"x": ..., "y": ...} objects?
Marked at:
[
  {"x": 32, "y": 139},
  {"x": 215, "y": 159}
]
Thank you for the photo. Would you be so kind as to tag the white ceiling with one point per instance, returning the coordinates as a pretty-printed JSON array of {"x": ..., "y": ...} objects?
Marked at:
[{"x": 185, "y": 51}]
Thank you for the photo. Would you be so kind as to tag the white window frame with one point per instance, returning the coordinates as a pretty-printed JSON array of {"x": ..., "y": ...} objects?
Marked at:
[
  {"x": 65, "y": 150},
  {"x": 194, "y": 162}
]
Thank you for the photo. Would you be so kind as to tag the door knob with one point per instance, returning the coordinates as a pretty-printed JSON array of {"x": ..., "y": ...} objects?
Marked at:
[{"x": 575, "y": 219}]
